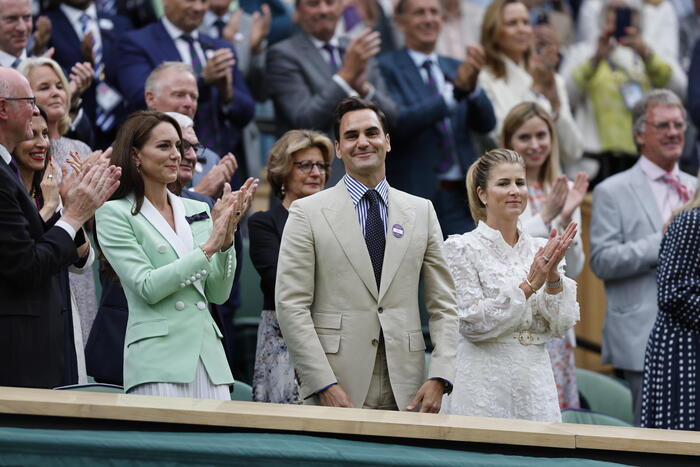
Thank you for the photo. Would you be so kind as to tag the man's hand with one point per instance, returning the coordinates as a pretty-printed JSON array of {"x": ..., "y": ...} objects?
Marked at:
[
  {"x": 334, "y": 396},
  {"x": 219, "y": 71},
  {"x": 212, "y": 183},
  {"x": 81, "y": 76},
  {"x": 363, "y": 47},
  {"x": 42, "y": 35},
  {"x": 260, "y": 28},
  {"x": 468, "y": 71},
  {"x": 232, "y": 27},
  {"x": 86, "y": 46},
  {"x": 429, "y": 397},
  {"x": 88, "y": 190}
]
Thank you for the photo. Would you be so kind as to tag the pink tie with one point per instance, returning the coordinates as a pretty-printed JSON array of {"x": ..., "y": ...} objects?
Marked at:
[{"x": 681, "y": 190}]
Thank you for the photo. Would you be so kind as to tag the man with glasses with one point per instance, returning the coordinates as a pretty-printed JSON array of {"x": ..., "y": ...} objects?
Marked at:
[
  {"x": 172, "y": 87},
  {"x": 630, "y": 212},
  {"x": 33, "y": 252}
]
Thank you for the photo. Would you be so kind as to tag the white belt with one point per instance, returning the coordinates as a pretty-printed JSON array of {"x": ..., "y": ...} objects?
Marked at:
[{"x": 522, "y": 338}]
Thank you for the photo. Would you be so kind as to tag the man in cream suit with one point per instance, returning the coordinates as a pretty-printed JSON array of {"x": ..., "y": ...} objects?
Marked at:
[
  {"x": 630, "y": 210},
  {"x": 347, "y": 283}
]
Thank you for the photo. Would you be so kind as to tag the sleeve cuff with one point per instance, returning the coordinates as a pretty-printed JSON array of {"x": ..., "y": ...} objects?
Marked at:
[
  {"x": 67, "y": 227},
  {"x": 321, "y": 390},
  {"x": 344, "y": 85},
  {"x": 448, "y": 384}
]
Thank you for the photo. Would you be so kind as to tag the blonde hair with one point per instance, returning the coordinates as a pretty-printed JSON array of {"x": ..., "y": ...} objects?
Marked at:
[
  {"x": 26, "y": 68},
  {"x": 281, "y": 158},
  {"x": 516, "y": 118},
  {"x": 490, "y": 35},
  {"x": 478, "y": 177}
]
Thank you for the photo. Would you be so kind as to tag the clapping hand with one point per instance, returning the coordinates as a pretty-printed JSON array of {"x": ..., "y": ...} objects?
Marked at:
[
  {"x": 546, "y": 261},
  {"x": 555, "y": 200},
  {"x": 575, "y": 197}
]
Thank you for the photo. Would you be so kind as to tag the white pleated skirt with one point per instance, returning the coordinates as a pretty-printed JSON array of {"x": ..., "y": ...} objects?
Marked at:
[{"x": 200, "y": 388}]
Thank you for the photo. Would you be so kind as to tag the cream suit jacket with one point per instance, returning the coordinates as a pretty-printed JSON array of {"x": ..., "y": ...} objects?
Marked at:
[{"x": 331, "y": 312}]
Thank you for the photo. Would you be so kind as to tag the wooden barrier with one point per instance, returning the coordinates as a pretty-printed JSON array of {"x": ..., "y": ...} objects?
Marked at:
[{"x": 580, "y": 440}]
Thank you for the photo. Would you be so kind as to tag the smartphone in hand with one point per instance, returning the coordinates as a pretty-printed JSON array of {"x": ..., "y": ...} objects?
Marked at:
[{"x": 623, "y": 20}]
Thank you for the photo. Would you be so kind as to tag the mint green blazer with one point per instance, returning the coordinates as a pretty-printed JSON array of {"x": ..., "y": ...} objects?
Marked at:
[{"x": 168, "y": 282}]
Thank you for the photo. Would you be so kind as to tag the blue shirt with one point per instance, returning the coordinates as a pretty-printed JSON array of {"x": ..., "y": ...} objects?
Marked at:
[{"x": 357, "y": 192}]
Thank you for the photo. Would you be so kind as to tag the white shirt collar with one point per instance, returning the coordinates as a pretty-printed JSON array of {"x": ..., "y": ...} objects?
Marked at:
[
  {"x": 7, "y": 60},
  {"x": 74, "y": 14},
  {"x": 419, "y": 58},
  {"x": 653, "y": 171},
  {"x": 5, "y": 154},
  {"x": 319, "y": 43},
  {"x": 210, "y": 18},
  {"x": 176, "y": 33}
]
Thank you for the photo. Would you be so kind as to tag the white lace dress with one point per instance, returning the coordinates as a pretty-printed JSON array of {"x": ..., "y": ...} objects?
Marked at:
[{"x": 502, "y": 366}]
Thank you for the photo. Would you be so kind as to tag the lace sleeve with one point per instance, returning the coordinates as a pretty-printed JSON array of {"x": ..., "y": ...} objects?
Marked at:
[
  {"x": 486, "y": 310},
  {"x": 561, "y": 311}
]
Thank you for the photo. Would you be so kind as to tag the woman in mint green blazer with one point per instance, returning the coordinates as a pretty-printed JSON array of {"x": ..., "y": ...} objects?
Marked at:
[{"x": 172, "y": 257}]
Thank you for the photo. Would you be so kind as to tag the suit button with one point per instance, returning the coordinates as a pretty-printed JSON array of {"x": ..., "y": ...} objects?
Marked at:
[
  {"x": 198, "y": 276},
  {"x": 204, "y": 272},
  {"x": 193, "y": 279},
  {"x": 188, "y": 282},
  {"x": 179, "y": 306},
  {"x": 201, "y": 305},
  {"x": 375, "y": 342},
  {"x": 380, "y": 310}
]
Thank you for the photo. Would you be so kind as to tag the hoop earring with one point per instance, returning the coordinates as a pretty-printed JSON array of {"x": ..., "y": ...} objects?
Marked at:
[{"x": 138, "y": 167}]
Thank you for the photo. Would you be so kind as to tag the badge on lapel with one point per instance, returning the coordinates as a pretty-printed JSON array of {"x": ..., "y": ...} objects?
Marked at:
[{"x": 397, "y": 230}]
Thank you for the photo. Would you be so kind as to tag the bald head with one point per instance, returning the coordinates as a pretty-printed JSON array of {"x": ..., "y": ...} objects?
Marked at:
[
  {"x": 16, "y": 108},
  {"x": 172, "y": 87}
]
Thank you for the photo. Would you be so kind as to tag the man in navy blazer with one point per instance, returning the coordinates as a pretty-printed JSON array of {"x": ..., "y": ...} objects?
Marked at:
[
  {"x": 70, "y": 47},
  {"x": 225, "y": 103},
  {"x": 439, "y": 105}
]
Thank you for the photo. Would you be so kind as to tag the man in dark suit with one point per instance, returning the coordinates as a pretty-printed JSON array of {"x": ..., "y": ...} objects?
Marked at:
[
  {"x": 225, "y": 103},
  {"x": 439, "y": 105},
  {"x": 33, "y": 252},
  {"x": 80, "y": 33},
  {"x": 311, "y": 72}
]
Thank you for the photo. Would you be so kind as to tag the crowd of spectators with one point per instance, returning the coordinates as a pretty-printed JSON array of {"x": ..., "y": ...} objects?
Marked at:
[{"x": 590, "y": 94}]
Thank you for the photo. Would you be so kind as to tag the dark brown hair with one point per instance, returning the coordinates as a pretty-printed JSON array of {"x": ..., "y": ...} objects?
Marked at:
[
  {"x": 132, "y": 135},
  {"x": 351, "y": 104},
  {"x": 490, "y": 35}
]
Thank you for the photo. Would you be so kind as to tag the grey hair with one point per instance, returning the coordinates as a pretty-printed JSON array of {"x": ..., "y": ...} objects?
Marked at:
[
  {"x": 152, "y": 80},
  {"x": 655, "y": 97},
  {"x": 183, "y": 120}
]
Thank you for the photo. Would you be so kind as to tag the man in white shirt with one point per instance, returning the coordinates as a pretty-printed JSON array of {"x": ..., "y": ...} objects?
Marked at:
[
  {"x": 15, "y": 30},
  {"x": 33, "y": 252},
  {"x": 630, "y": 211}
]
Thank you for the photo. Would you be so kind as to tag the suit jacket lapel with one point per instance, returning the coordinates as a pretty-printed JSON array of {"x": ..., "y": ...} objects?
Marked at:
[
  {"x": 640, "y": 187},
  {"x": 396, "y": 247},
  {"x": 64, "y": 29},
  {"x": 184, "y": 232},
  {"x": 343, "y": 221},
  {"x": 412, "y": 73},
  {"x": 166, "y": 46},
  {"x": 313, "y": 56}
]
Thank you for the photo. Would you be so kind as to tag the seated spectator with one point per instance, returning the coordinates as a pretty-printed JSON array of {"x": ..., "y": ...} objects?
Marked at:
[
  {"x": 311, "y": 72},
  {"x": 630, "y": 211},
  {"x": 514, "y": 72},
  {"x": 172, "y": 87},
  {"x": 552, "y": 201},
  {"x": 606, "y": 78},
  {"x": 512, "y": 298},
  {"x": 34, "y": 252},
  {"x": 225, "y": 105},
  {"x": 440, "y": 105},
  {"x": 132, "y": 227},
  {"x": 297, "y": 167},
  {"x": 39, "y": 179},
  {"x": 79, "y": 33},
  {"x": 670, "y": 378},
  {"x": 461, "y": 25}
]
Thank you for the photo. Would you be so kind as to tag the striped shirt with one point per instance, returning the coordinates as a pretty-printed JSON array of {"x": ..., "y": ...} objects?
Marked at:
[{"x": 357, "y": 192}]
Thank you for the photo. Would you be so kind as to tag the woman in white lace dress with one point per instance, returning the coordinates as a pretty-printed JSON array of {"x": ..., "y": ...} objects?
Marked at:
[{"x": 512, "y": 298}]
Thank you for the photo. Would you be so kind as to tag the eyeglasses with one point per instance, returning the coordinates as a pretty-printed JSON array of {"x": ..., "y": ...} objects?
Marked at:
[
  {"x": 31, "y": 100},
  {"x": 678, "y": 125},
  {"x": 196, "y": 147},
  {"x": 307, "y": 166}
]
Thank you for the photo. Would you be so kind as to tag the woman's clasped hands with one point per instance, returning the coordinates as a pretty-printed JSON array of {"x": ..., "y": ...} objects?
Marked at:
[
  {"x": 227, "y": 213},
  {"x": 545, "y": 264}
]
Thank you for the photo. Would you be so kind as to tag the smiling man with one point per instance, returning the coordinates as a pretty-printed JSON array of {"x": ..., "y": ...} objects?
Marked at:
[
  {"x": 630, "y": 210},
  {"x": 440, "y": 105},
  {"x": 347, "y": 283},
  {"x": 15, "y": 29}
]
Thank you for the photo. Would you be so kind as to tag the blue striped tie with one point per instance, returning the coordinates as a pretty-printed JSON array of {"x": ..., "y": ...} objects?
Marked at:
[
  {"x": 206, "y": 128},
  {"x": 104, "y": 118}
]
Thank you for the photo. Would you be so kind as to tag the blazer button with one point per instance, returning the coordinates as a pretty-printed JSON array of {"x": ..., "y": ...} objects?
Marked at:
[
  {"x": 193, "y": 279},
  {"x": 201, "y": 305},
  {"x": 162, "y": 248},
  {"x": 204, "y": 272},
  {"x": 198, "y": 276},
  {"x": 375, "y": 342},
  {"x": 188, "y": 282},
  {"x": 179, "y": 306},
  {"x": 380, "y": 310}
]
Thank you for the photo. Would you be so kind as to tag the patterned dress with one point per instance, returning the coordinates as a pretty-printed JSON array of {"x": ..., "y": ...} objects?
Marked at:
[
  {"x": 502, "y": 366},
  {"x": 671, "y": 360},
  {"x": 561, "y": 350}
]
